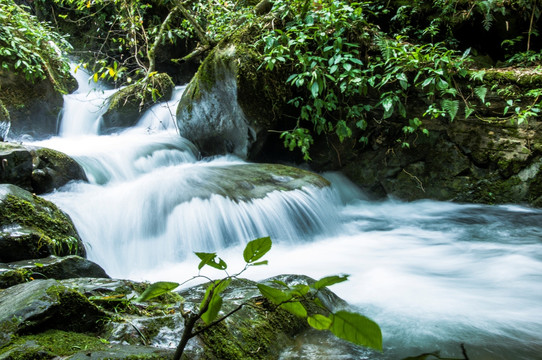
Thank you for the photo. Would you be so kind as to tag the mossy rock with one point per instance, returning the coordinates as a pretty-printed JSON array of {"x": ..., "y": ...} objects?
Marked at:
[
  {"x": 128, "y": 104},
  {"x": 55, "y": 344},
  {"x": 32, "y": 227},
  {"x": 40, "y": 305},
  {"x": 35, "y": 169},
  {"x": 53, "y": 169},
  {"x": 230, "y": 105},
  {"x": 52, "y": 267},
  {"x": 33, "y": 107}
]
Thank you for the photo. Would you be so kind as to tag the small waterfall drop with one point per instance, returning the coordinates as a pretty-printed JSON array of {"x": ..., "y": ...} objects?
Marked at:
[{"x": 432, "y": 274}]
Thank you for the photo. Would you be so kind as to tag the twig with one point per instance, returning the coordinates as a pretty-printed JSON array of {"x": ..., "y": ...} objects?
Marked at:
[{"x": 420, "y": 184}]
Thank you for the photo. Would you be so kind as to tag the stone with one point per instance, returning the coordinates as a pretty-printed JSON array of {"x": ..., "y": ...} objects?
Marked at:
[
  {"x": 52, "y": 267},
  {"x": 44, "y": 304},
  {"x": 32, "y": 227},
  {"x": 37, "y": 169}
]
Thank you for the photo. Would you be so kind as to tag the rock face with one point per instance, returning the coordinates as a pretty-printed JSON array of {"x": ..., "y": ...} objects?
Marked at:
[
  {"x": 469, "y": 160},
  {"x": 39, "y": 170},
  {"x": 128, "y": 104},
  {"x": 32, "y": 228}
]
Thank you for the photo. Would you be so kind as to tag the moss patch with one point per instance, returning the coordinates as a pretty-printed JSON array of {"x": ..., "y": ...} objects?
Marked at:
[{"x": 54, "y": 342}]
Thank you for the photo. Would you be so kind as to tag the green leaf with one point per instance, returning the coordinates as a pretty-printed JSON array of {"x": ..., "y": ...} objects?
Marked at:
[
  {"x": 451, "y": 107},
  {"x": 329, "y": 280},
  {"x": 319, "y": 322},
  {"x": 276, "y": 296},
  {"x": 265, "y": 262},
  {"x": 295, "y": 308},
  {"x": 209, "y": 259},
  {"x": 156, "y": 289},
  {"x": 215, "y": 304},
  {"x": 468, "y": 111},
  {"x": 257, "y": 248},
  {"x": 357, "y": 329},
  {"x": 315, "y": 89},
  {"x": 214, "y": 307}
]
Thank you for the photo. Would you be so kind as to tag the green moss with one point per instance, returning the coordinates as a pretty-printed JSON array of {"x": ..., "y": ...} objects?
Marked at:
[
  {"x": 256, "y": 332},
  {"x": 13, "y": 277},
  {"x": 4, "y": 113},
  {"x": 55, "y": 342},
  {"x": 46, "y": 219}
]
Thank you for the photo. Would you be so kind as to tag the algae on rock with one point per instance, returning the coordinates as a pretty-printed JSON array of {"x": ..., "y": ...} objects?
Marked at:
[{"x": 32, "y": 227}]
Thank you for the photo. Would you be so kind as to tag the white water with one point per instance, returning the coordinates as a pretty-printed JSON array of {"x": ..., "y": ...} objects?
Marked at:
[{"x": 432, "y": 274}]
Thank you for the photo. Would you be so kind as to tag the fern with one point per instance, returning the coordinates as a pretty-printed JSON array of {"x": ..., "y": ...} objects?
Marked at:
[
  {"x": 451, "y": 107},
  {"x": 481, "y": 92}
]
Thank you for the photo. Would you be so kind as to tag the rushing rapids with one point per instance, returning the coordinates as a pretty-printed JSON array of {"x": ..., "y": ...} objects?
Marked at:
[{"x": 433, "y": 275}]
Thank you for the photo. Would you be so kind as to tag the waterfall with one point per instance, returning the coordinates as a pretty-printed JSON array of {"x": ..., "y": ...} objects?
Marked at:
[{"x": 432, "y": 274}]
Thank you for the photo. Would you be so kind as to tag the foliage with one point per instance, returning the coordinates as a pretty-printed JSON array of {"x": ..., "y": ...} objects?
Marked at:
[
  {"x": 30, "y": 47},
  {"x": 337, "y": 61},
  {"x": 347, "y": 325},
  {"x": 127, "y": 33}
]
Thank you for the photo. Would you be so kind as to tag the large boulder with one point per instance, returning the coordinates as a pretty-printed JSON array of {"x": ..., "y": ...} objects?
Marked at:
[
  {"x": 230, "y": 105},
  {"x": 32, "y": 227},
  {"x": 128, "y": 104},
  {"x": 39, "y": 170}
]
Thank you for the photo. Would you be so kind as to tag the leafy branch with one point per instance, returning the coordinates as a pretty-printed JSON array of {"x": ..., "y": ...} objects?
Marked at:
[{"x": 347, "y": 325}]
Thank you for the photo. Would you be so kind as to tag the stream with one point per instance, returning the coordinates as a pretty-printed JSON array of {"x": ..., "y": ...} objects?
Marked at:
[{"x": 433, "y": 275}]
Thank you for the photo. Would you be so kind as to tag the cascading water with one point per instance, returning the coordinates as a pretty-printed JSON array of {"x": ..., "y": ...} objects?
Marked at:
[{"x": 432, "y": 274}]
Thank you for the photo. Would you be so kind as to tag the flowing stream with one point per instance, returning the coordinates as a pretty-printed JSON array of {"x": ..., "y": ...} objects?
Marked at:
[{"x": 434, "y": 275}]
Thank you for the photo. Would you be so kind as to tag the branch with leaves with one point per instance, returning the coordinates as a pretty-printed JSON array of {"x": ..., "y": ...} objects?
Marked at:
[{"x": 346, "y": 325}]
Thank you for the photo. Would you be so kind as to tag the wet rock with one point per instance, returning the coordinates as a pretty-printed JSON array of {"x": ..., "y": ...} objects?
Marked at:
[
  {"x": 53, "y": 169},
  {"x": 5, "y": 122},
  {"x": 52, "y": 267},
  {"x": 44, "y": 304},
  {"x": 128, "y": 104},
  {"x": 35, "y": 169},
  {"x": 32, "y": 227},
  {"x": 230, "y": 105},
  {"x": 245, "y": 182},
  {"x": 16, "y": 165}
]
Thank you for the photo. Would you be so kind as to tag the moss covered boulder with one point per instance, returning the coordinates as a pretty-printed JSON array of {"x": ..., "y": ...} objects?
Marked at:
[
  {"x": 39, "y": 170},
  {"x": 128, "y": 104},
  {"x": 44, "y": 304},
  {"x": 246, "y": 182},
  {"x": 230, "y": 105},
  {"x": 32, "y": 228}
]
